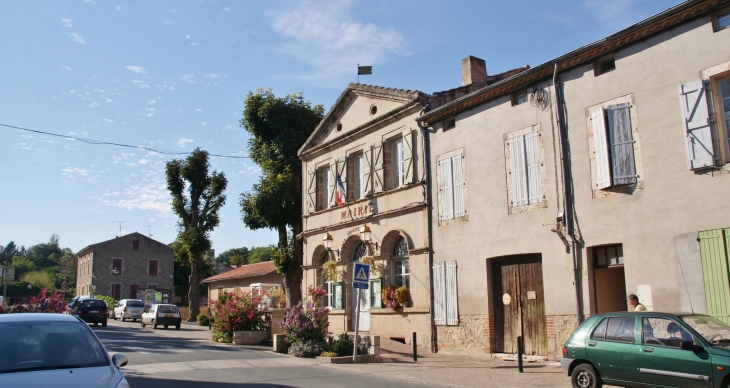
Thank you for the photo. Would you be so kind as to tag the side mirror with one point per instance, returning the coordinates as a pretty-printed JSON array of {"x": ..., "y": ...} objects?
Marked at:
[
  {"x": 119, "y": 360},
  {"x": 687, "y": 345}
]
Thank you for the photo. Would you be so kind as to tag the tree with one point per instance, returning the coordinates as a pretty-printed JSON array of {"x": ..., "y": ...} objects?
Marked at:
[
  {"x": 23, "y": 265},
  {"x": 279, "y": 126},
  {"x": 197, "y": 197},
  {"x": 259, "y": 254},
  {"x": 227, "y": 256},
  {"x": 8, "y": 252}
]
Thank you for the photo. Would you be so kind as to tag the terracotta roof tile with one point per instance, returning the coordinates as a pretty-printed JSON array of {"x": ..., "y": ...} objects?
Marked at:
[{"x": 244, "y": 271}]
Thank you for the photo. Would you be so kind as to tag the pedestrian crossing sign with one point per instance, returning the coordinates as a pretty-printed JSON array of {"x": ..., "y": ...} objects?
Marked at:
[{"x": 361, "y": 276}]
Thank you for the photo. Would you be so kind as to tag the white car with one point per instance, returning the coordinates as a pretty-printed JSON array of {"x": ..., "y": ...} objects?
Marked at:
[
  {"x": 161, "y": 314},
  {"x": 128, "y": 309}
]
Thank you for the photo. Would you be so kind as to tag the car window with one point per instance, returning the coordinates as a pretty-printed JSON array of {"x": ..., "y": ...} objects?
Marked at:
[
  {"x": 600, "y": 330},
  {"x": 93, "y": 303},
  {"x": 663, "y": 332},
  {"x": 167, "y": 309},
  {"x": 621, "y": 329},
  {"x": 135, "y": 303}
]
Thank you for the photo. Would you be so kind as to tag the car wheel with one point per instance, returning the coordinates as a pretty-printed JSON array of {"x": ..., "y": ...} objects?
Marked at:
[
  {"x": 134, "y": 319},
  {"x": 114, "y": 315},
  {"x": 103, "y": 324},
  {"x": 96, "y": 323},
  {"x": 141, "y": 322},
  {"x": 177, "y": 327},
  {"x": 123, "y": 319},
  {"x": 154, "y": 325},
  {"x": 165, "y": 326},
  {"x": 585, "y": 376}
]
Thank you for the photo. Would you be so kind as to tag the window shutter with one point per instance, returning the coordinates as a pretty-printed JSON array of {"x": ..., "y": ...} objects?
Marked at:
[
  {"x": 439, "y": 294},
  {"x": 367, "y": 172},
  {"x": 517, "y": 171},
  {"x": 117, "y": 264},
  {"x": 696, "y": 122},
  {"x": 408, "y": 173},
  {"x": 342, "y": 170},
  {"x": 153, "y": 268},
  {"x": 332, "y": 173},
  {"x": 532, "y": 153},
  {"x": 603, "y": 174},
  {"x": 445, "y": 180},
  {"x": 311, "y": 191},
  {"x": 458, "y": 182},
  {"x": 378, "y": 177},
  {"x": 452, "y": 300},
  {"x": 622, "y": 144}
]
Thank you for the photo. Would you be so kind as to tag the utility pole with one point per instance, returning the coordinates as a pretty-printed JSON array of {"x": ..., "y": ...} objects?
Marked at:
[
  {"x": 149, "y": 231},
  {"x": 120, "y": 226}
]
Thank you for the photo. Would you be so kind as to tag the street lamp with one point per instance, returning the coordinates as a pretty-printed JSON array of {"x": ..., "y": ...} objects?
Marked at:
[
  {"x": 327, "y": 240},
  {"x": 29, "y": 288},
  {"x": 115, "y": 272},
  {"x": 367, "y": 237}
]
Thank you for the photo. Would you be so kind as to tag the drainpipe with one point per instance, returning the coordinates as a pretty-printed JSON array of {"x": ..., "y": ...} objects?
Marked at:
[
  {"x": 429, "y": 217},
  {"x": 568, "y": 205}
]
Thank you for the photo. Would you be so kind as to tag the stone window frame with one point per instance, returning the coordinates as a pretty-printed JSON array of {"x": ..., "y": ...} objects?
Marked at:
[{"x": 543, "y": 204}]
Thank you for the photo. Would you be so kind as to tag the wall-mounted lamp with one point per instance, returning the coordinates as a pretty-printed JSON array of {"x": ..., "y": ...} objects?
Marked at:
[
  {"x": 327, "y": 240},
  {"x": 367, "y": 237}
]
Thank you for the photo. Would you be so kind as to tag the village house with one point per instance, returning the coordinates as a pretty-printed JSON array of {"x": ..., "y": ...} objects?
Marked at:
[{"x": 239, "y": 280}]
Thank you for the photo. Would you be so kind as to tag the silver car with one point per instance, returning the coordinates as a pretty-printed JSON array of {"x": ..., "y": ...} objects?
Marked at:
[
  {"x": 128, "y": 309},
  {"x": 59, "y": 350}
]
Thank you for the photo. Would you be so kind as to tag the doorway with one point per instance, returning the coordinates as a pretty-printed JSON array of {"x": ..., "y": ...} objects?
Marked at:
[
  {"x": 609, "y": 289},
  {"x": 519, "y": 304}
]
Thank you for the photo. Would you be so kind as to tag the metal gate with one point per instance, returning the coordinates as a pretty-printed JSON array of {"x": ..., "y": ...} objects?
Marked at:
[{"x": 519, "y": 304}]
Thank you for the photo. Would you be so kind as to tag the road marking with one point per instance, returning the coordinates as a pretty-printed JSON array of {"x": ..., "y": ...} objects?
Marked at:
[{"x": 173, "y": 367}]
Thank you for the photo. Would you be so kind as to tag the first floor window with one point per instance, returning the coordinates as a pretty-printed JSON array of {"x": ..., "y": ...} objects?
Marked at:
[
  {"x": 524, "y": 155},
  {"x": 376, "y": 290},
  {"x": 153, "y": 268},
  {"x": 334, "y": 295},
  {"x": 451, "y": 187},
  {"x": 323, "y": 188},
  {"x": 396, "y": 166},
  {"x": 401, "y": 266},
  {"x": 614, "y": 146}
]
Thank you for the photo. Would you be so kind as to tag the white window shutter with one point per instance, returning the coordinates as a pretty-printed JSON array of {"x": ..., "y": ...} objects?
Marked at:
[
  {"x": 696, "y": 123},
  {"x": 332, "y": 173},
  {"x": 378, "y": 177},
  {"x": 603, "y": 173},
  {"x": 452, "y": 300},
  {"x": 532, "y": 153},
  {"x": 445, "y": 180},
  {"x": 457, "y": 174},
  {"x": 342, "y": 170},
  {"x": 439, "y": 294},
  {"x": 311, "y": 191},
  {"x": 517, "y": 171},
  {"x": 622, "y": 144},
  {"x": 367, "y": 172},
  {"x": 408, "y": 153}
]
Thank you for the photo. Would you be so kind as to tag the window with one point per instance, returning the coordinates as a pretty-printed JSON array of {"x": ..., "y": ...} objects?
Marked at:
[
  {"x": 357, "y": 179},
  {"x": 722, "y": 21},
  {"x": 334, "y": 296},
  {"x": 520, "y": 97},
  {"x": 360, "y": 251},
  {"x": 395, "y": 165},
  {"x": 449, "y": 124},
  {"x": 621, "y": 329},
  {"x": 445, "y": 297},
  {"x": 604, "y": 65},
  {"x": 600, "y": 331},
  {"x": 376, "y": 290},
  {"x": 153, "y": 268},
  {"x": 324, "y": 188},
  {"x": 135, "y": 245},
  {"x": 613, "y": 146},
  {"x": 524, "y": 169},
  {"x": 398, "y": 161},
  {"x": 117, "y": 264},
  {"x": 663, "y": 332},
  {"x": 133, "y": 288},
  {"x": 608, "y": 255},
  {"x": 401, "y": 266},
  {"x": 451, "y": 187},
  {"x": 724, "y": 97}
]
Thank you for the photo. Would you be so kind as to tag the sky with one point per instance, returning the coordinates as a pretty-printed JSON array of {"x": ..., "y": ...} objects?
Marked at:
[{"x": 173, "y": 76}]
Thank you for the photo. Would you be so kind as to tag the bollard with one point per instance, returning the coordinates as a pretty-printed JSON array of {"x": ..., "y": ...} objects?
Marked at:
[
  {"x": 519, "y": 354},
  {"x": 415, "y": 348}
]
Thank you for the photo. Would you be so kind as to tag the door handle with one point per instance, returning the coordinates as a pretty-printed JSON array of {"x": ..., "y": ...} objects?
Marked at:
[
  {"x": 591, "y": 343},
  {"x": 648, "y": 350}
]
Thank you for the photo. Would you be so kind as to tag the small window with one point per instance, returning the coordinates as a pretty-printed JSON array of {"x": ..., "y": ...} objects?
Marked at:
[
  {"x": 451, "y": 187},
  {"x": 604, "y": 65},
  {"x": 520, "y": 97},
  {"x": 608, "y": 256},
  {"x": 117, "y": 265},
  {"x": 401, "y": 266},
  {"x": 373, "y": 110},
  {"x": 621, "y": 329},
  {"x": 339, "y": 127},
  {"x": 360, "y": 251},
  {"x": 135, "y": 245},
  {"x": 376, "y": 289},
  {"x": 357, "y": 176},
  {"x": 600, "y": 330},
  {"x": 449, "y": 124},
  {"x": 334, "y": 295},
  {"x": 395, "y": 164},
  {"x": 723, "y": 21},
  {"x": 153, "y": 268},
  {"x": 323, "y": 188}
]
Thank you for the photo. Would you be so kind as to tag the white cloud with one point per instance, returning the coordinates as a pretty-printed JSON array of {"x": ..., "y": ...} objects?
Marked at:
[
  {"x": 119, "y": 8},
  {"x": 67, "y": 22},
  {"x": 66, "y": 68},
  {"x": 168, "y": 21},
  {"x": 140, "y": 84},
  {"x": 109, "y": 100},
  {"x": 198, "y": 110},
  {"x": 203, "y": 123},
  {"x": 226, "y": 9},
  {"x": 150, "y": 115},
  {"x": 182, "y": 141},
  {"x": 227, "y": 127},
  {"x": 77, "y": 38},
  {"x": 136, "y": 69},
  {"x": 214, "y": 75},
  {"x": 187, "y": 36},
  {"x": 330, "y": 40},
  {"x": 109, "y": 120},
  {"x": 93, "y": 105},
  {"x": 188, "y": 78},
  {"x": 143, "y": 161},
  {"x": 151, "y": 102},
  {"x": 152, "y": 195}
]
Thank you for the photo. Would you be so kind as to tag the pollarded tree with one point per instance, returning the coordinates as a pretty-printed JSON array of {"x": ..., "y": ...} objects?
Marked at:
[
  {"x": 279, "y": 126},
  {"x": 197, "y": 197}
]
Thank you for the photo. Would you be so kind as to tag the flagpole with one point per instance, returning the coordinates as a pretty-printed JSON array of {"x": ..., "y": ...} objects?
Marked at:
[{"x": 358, "y": 72}]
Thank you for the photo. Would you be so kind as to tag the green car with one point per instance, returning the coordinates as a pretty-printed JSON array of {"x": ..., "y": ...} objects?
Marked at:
[{"x": 649, "y": 349}]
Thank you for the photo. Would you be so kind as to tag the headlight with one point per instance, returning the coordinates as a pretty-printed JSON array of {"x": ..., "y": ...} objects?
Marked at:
[{"x": 123, "y": 383}]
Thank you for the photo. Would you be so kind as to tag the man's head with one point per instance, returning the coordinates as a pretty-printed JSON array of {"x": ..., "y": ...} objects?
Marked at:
[{"x": 633, "y": 300}]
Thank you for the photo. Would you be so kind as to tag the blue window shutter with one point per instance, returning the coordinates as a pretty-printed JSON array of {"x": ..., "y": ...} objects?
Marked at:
[{"x": 696, "y": 125}]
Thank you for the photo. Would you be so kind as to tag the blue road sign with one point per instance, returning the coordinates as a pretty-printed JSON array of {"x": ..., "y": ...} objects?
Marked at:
[{"x": 361, "y": 276}]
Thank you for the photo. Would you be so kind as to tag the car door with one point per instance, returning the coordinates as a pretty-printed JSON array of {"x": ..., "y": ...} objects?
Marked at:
[
  {"x": 662, "y": 361},
  {"x": 613, "y": 348}
]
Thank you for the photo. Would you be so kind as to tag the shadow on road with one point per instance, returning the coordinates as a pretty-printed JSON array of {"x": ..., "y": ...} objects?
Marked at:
[{"x": 147, "y": 382}]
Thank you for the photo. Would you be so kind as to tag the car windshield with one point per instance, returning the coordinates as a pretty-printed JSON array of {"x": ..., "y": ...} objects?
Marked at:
[
  {"x": 26, "y": 346},
  {"x": 135, "y": 303},
  {"x": 93, "y": 303},
  {"x": 168, "y": 309},
  {"x": 713, "y": 330}
]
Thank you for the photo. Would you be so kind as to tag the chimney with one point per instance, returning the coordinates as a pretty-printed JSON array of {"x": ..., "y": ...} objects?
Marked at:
[{"x": 473, "y": 71}]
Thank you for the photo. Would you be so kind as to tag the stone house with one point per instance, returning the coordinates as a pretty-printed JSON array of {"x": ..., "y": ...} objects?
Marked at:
[
  {"x": 140, "y": 262},
  {"x": 551, "y": 204}
]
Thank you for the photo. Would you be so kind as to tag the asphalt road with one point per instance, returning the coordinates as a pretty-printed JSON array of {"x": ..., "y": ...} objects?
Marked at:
[{"x": 185, "y": 359}]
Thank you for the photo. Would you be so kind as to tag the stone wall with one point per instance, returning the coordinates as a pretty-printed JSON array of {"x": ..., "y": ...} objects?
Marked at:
[
  {"x": 472, "y": 332},
  {"x": 559, "y": 329}
]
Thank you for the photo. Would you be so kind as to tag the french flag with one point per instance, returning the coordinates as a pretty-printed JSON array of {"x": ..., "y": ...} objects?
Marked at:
[{"x": 340, "y": 196}]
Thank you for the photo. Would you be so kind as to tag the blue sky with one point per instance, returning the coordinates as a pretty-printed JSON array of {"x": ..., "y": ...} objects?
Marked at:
[{"x": 173, "y": 75}]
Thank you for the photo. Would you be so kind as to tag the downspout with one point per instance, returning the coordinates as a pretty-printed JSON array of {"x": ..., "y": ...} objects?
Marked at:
[
  {"x": 568, "y": 205},
  {"x": 429, "y": 229}
]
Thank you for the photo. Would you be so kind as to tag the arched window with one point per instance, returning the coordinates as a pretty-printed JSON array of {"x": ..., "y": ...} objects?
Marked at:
[
  {"x": 401, "y": 267},
  {"x": 360, "y": 251}
]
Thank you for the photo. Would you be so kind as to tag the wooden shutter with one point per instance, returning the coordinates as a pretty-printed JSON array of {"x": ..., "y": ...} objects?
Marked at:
[
  {"x": 367, "y": 171},
  {"x": 332, "y": 173},
  {"x": 408, "y": 165},
  {"x": 622, "y": 144},
  {"x": 117, "y": 264},
  {"x": 378, "y": 176},
  {"x": 517, "y": 171},
  {"x": 445, "y": 181},
  {"x": 452, "y": 300},
  {"x": 439, "y": 294},
  {"x": 133, "y": 288},
  {"x": 696, "y": 123},
  {"x": 457, "y": 177},
  {"x": 532, "y": 153},
  {"x": 342, "y": 170},
  {"x": 153, "y": 268},
  {"x": 311, "y": 191},
  {"x": 603, "y": 172}
]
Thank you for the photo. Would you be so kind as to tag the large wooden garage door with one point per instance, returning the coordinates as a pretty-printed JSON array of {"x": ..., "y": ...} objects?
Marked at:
[{"x": 518, "y": 280}]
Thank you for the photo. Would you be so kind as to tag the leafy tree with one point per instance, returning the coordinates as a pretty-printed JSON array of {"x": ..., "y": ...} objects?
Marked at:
[
  {"x": 197, "y": 197},
  {"x": 8, "y": 252},
  {"x": 236, "y": 260},
  {"x": 39, "y": 278},
  {"x": 46, "y": 254},
  {"x": 226, "y": 256},
  {"x": 22, "y": 266},
  {"x": 260, "y": 254},
  {"x": 279, "y": 126}
]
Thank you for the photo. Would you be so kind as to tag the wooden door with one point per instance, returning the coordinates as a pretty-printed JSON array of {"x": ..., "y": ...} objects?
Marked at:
[{"x": 518, "y": 279}]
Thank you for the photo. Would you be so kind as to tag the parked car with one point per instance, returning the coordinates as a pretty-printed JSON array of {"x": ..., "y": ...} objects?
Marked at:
[
  {"x": 59, "y": 350},
  {"x": 649, "y": 349},
  {"x": 89, "y": 309},
  {"x": 128, "y": 309},
  {"x": 161, "y": 314}
]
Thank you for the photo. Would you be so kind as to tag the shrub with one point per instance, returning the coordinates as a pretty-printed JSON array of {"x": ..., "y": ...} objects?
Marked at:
[
  {"x": 329, "y": 271},
  {"x": 304, "y": 322},
  {"x": 202, "y": 320},
  {"x": 342, "y": 346},
  {"x": 44, "y": 302},
  {"x": 110, "y": 302},
  {"x": 237, "y": 313},
  {"x": 388, "y": 297},
  {"x": 308, "y": 348},
  {"x": 328, "y": 354},
  {"x": 402, "y": 295}
]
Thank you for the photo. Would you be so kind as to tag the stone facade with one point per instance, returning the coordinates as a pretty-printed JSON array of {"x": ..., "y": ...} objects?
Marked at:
[
  {"x": 137, "y": 255},
  {"x": 471, "y": 333}
]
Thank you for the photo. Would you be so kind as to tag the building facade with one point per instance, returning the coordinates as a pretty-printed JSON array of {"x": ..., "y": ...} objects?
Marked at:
[{"x": 124, "y": 265}]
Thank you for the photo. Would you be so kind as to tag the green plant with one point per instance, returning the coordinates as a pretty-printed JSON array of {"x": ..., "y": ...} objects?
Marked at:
[
  {"x": 328, "y": 354},
  {"x": 402, "y": 295},
  {"x": 388, "y": 297},
  {"x": 342, "y": 346},
  {"x": 309, "y": 348},
  {"x": 276, "y": 293},
  {"x": 369, "y": 260},
  {"x": 203, "y": 320},
  {"x": 237, "y": 313},
  {"x": 110, "y": 302},
  {"x": 305, "y": 322},
  {"x": 329, "y": 271}
]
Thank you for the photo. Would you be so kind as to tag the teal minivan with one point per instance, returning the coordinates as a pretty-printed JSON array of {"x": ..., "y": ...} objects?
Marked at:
[{"x": 649, "y": 349}]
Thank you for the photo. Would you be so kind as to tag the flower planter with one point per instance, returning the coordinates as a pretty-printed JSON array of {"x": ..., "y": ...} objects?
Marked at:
[{"x": 250, "y": 337}]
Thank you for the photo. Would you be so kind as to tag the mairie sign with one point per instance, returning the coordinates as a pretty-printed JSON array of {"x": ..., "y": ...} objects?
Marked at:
[{"x": 361, "y": 276}]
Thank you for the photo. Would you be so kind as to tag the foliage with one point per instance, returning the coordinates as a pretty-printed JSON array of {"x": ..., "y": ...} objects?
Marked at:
[
  {"x": 110, "y": 302},
  {"x": 236, "y": 260},
  {"x": 369, "y": 260},
  {"x": 197, "y": 197},
  {"x": 388, "y": 297},
  {"x": 203, "y": 320},
  {"x": 402, "y": 294},
  {"x": 181, "y": 271},
  {"x": 329, "y": 271},
  {"x": 20, "y": 289},
  {"x": 40, "y": 278},
  {"x": 314, "y": 292},
  {"x": 304, "y": 322},
  {"x": 9, "y": 251},
  {"x": 44, "y": 302},
  {"x": 276, "y": 293},
  {"x": 237, "y": 313},
  {"x": 228, "y": 255},
  {"x": 308, "y": 348},
  {"x": 328, "y": 354},
  {"x": 259, "y": 254},
  {"x": 22, "y": 266},
  {"x": 343, "y": 346}
]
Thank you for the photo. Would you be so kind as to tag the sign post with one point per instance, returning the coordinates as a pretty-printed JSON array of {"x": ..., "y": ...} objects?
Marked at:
[{"x": 360, "y": 281}]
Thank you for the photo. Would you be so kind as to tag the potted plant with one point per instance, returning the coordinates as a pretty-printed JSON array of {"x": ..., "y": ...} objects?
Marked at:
[
  {"x": 316, "y": 293},
  {"x": 396, "y": 298},
  {"x": 329, "y": 271},
  {"x": 240, "y": 319},
  {"x": 276, "y": 295}
]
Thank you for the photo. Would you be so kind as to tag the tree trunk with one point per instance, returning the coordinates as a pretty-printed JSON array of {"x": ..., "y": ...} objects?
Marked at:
[
  {"x": 293, "y": 287},
  {"x": 194, "y": 291},
  {"x": 294, "y": 280}
]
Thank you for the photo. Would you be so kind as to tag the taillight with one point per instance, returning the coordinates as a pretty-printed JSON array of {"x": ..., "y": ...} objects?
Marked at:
[{"x": 565, "y": 352}]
